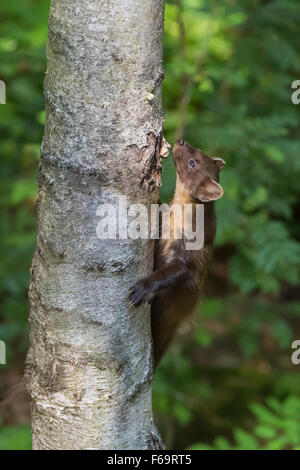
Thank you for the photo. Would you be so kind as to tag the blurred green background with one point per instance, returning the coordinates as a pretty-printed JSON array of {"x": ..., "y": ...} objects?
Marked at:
[{"x": 228, "y": 381}]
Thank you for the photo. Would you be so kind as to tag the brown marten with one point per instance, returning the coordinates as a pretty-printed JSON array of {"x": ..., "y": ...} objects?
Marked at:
[{"x": 173, "y": 287}]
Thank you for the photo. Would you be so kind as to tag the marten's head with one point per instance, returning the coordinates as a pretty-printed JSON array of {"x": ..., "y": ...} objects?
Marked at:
[{"x": 198, "y": 173}]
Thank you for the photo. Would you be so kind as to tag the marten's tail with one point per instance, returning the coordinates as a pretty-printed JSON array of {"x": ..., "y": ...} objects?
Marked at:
[
  {"x": 164, "y": 324},
  {"x": 169, "y": 310}
]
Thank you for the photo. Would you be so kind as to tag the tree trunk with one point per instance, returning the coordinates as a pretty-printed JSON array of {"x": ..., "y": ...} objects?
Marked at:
[{"x": 89, "y": 366}]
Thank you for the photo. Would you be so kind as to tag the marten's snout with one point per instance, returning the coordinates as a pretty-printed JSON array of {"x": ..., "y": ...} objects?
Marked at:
[{"x": 179, "y": 150}]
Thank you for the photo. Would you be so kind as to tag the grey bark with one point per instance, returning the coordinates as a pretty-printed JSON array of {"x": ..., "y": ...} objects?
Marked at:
[{"x": 89, "y": 366}]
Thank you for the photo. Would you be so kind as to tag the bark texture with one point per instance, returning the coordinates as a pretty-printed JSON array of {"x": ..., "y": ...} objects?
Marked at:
[{"x": 89, "y": 366}]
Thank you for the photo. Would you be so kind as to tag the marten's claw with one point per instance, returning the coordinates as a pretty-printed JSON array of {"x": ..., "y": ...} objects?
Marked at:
[{"x": 140, "y": 294}]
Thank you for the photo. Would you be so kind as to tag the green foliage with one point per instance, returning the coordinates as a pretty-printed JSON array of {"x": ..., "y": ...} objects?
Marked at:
[
  {"x": 15, "y": 438},
  {"x": 227, "y": 90},
  {"x": 23, "y": 30},
  {"x": 276, "y": 427},
  {"x": 235, "y": 65},
  {"x": 234, "y": 354}
]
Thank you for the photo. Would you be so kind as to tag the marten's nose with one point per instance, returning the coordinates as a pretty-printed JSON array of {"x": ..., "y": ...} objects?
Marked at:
[{"x": 181, "y": 142}]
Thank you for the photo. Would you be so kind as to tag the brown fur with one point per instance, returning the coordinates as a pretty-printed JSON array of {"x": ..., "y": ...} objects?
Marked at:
[{"x": 174, "y": 286}]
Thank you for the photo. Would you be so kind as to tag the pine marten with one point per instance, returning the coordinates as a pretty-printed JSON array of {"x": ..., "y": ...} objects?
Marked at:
[{"x": 174, "y": 286}]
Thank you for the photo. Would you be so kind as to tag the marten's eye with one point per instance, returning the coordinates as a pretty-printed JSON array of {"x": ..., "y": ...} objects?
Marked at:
[{"x": 192, "y": 163}]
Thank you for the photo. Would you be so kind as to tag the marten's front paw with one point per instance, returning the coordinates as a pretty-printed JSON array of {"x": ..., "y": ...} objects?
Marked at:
[{"x": 140, "y": 293}]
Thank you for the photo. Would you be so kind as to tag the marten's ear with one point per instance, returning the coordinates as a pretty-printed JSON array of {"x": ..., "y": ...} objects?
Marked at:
[
  {"x": 219, "y": 162},
  {"x": 210, "y": 190}
]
